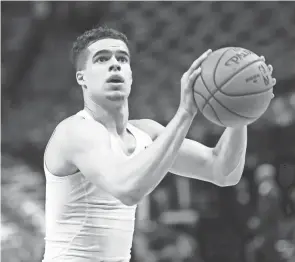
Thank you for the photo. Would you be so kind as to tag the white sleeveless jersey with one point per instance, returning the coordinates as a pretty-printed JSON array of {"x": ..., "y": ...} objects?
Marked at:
[{"x": 84, "y": 223}]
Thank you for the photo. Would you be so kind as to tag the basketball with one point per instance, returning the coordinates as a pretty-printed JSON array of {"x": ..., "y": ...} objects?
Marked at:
[{"x": 234, "y": 88}]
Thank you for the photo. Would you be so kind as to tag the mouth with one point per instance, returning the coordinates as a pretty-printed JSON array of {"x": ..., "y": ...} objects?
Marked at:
[{"x": 115, "y": 79}]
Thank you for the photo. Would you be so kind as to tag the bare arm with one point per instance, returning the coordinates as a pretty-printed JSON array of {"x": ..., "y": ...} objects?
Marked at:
[
  {"x": 230, "y": 154},
  {"x": 89, "y": 149},
  {"x": 222, "y": 165}
]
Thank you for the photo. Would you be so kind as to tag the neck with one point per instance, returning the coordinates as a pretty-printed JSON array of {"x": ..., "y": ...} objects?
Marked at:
[{"x": 114, "y": 118}]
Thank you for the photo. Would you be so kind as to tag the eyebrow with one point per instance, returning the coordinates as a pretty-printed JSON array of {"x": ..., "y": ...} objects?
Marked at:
[{"x": 109, "y": 51}]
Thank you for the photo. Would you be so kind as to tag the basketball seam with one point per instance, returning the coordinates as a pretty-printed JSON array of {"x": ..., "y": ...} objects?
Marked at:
[
  {"x": 218, "y": 88},
  {"x": 237, "y": 72},
  {"x": 214, "y": 71},
  {"x": 211, "y": 108},
  {"x": 220, "y": 103},
  {"x": 248, "y": 94},
  {"x": 216, "y": 65},
  {"x": 206, "y": 99}
]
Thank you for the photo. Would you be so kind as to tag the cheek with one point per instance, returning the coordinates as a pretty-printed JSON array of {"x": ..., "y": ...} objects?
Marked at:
[
  {"x": 94, "y": 75},
  {"x": 129, "y": 73}
]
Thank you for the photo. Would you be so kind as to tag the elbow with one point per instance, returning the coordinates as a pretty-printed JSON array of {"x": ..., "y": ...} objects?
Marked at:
[
  {"x": 235, "y": 181},
  {"x": 129, "y": 198},
  {"x": 129, "y": 201},
  {"x": 230, "y": 178},
  {"x": 227, "y": 182},
  {"x": 127, "y": 194},
  {"x": 230, "y": 182}
]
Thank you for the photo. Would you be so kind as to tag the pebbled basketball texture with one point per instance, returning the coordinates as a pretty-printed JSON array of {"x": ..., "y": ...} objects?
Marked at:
[{"x": 234, "y": 88}]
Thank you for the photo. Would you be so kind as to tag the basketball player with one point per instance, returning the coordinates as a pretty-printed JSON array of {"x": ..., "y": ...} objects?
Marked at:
[{"x": 99, "y": 164}]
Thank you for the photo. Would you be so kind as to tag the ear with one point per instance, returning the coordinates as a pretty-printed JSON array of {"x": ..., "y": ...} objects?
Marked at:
[{"x": 80, "y": 78}]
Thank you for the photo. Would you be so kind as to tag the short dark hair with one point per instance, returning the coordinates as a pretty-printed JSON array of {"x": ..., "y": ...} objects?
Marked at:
[{"x": 91, "y": 36}]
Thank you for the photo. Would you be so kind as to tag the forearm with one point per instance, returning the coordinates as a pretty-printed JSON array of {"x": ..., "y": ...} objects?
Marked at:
[
  {"x": 229, "y": 155},
  {"x": 141, "y": 174}
]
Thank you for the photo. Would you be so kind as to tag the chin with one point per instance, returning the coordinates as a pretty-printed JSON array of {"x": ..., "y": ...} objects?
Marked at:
[{"x": 117, "y": 98}]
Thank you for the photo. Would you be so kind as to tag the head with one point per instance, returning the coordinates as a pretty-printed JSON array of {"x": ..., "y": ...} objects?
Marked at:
[{"x": 101, "y": 58}]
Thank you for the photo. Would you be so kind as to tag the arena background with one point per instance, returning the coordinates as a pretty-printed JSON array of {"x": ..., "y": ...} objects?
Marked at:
[{"x": 182, "y": 220}]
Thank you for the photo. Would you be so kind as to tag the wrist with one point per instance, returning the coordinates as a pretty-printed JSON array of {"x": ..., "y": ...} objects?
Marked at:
[{"x": 186, "y": 113}]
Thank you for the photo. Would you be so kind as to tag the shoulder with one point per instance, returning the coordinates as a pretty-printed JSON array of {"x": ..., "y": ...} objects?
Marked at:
[
  {"x": 76, "y": 130},
  {"x": 149, "y": 126},
  {"x": 73, "y": 136}
]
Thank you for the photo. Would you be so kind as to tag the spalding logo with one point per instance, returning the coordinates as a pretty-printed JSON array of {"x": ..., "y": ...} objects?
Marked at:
[{"x": 238, "y": 57}]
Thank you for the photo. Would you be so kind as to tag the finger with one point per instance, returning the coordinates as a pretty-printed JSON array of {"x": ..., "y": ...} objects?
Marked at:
[
  {"x": 262, "y": 58},
  {"x": 270, "y": 68},
  {"x": 192, "y": 78},
  {"x": 198, "y": 61}
]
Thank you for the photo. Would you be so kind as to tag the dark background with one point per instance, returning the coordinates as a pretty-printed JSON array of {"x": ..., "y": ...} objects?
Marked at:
[{"x": 182, "y": 220}]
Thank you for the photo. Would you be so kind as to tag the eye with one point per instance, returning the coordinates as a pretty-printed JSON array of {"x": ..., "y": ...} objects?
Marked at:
[
  {"x": 102, "y": 59},
  {"x": 122, "y": 59}
]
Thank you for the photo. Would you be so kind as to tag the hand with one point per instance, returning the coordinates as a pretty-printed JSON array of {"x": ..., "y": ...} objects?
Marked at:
[
  {"x": 187, "y": 100},
  {"x": 270, "y": 68}
]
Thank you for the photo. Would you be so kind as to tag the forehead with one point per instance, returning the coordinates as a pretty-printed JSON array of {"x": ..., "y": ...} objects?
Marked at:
[{"x": 108, "y": 44}]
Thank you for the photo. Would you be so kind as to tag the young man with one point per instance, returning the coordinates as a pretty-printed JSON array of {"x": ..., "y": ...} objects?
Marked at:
[{"x": 99, "y": 164}]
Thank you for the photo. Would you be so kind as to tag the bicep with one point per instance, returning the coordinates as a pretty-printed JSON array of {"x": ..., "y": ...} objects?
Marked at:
[{"x": 92, "y": 160}]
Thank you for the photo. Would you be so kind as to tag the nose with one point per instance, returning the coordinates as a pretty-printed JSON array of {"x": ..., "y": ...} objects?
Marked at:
[{"x": 115, "y": 66}]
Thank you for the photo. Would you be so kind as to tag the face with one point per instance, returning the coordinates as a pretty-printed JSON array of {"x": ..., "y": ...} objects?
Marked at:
[{"x": 107, "y": 76}]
